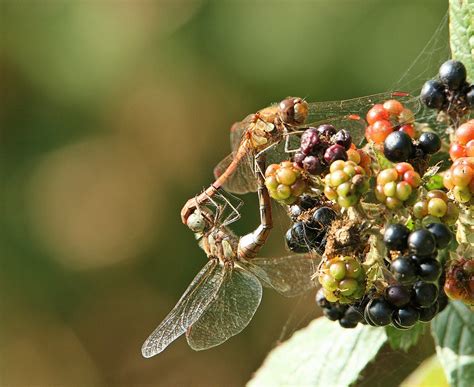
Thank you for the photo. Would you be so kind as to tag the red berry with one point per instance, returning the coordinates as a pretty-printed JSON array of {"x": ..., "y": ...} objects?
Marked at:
[
  {"x": 380, "y": 130},
  {"x": 412, "y": 178},
  {"x": 470, "y": 149},
  {"x": 403, "y": 167},
  {"x": 393, "y": 106},
  {"x": 376, "y": 113},
  {"x": 456, "y": 151},
  {"x": 408, "y": 129},
  {"x": 465, "y": 133}
]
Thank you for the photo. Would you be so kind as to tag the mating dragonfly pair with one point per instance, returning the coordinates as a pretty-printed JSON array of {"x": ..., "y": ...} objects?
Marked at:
[{"x": 224, "y": 295}]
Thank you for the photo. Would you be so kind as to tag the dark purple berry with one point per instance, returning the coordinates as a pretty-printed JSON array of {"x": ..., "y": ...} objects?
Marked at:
[
  {"x": 334, "y": 312},
  {"x": 433, "y": 94},
  {"x": 309, "y": 139},
  {"x": 441, "y": 233},
  {"x": 406, "y": 316},
  {"x": 326, "y": 130},
  {"x": 453, "y": 74},
  {"x": 312, "y": 165},
  {"x": 422, "y": 242},
  {"x": 307, "y": 202},
  {"x": 378, "y": 312},
  {"x": 335, "y": 152},
  {"x": 397, "y": 295},
  {"x": 442, "y": 300},
  {"x": 298, "y": 158},
  {"x": 398, "y": 147},
  {"x": 425, "y": 294},
  {"x": 427, "y": 314},
  {"x": 429, "y": 142},
  {"x": 403, "y": 270},
  {"x": 343, "y": 138},
  {"x": 429, "y": 270},
  {"x": 396, "y": 237}
]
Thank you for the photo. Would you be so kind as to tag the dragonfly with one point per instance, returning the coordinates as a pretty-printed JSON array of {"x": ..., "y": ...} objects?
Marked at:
[
  {"x": 264, "y": 131},
  {"x": 224, "y": 296}
]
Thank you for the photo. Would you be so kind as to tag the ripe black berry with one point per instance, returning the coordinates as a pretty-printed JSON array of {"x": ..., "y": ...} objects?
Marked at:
[
  {"x": 429, "y": 142},
  {"x": 406, "y": 316},
  {"x": 307, "y": 202},
  {"x": 453, "y": 74},
  {"x": 441, "y": 233},
  {"x": 378, "y": 312},
  {"x": 293, "y": 244},
  {"x": 429, "y": 270},
  {"x": 354, "y": 314},
  {"x": 396, "y": 237},
  {"x": 433, "y": 94},
  {"x": 427, "y": 314},
  {"x": 425, "y": 293},
  {"x": 421, "y": 242},
  {"x": 323, "y": 217},
  {"x": 403, "y": 270},
  {"x": 346, "y": 323},
  {"x": 397, "y": 295},
  {"x": 398, "y": 147}
]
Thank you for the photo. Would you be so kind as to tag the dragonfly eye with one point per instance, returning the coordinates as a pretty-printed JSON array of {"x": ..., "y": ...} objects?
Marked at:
[
  {"x": 293, "y": 110},
  {"x": 196, "y": 222}
]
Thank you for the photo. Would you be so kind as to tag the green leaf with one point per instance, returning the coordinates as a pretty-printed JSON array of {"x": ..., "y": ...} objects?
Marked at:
[
  {"x": 429, "y": 373},
  {"x": 453, "y": 331},
  {"x": 461, "y": 30},
  {"x": 322, "y": 354},
  {"x": 404, "y": 340}
]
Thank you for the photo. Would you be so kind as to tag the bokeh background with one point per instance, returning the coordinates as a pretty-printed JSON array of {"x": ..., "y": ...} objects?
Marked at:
[{"x": 113, "y": 114}]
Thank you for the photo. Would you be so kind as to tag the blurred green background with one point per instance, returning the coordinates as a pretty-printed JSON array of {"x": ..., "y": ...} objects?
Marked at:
[{"x": 113, "y": 114}]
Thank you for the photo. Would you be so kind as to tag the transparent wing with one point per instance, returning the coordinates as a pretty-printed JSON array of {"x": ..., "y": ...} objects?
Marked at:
[
  {"x": 242, "y": 179},
  {"x": 290, "y": 275},
  {"x": 237, "y": 132},
  {"x": 232, "y": 310},
  {"x": 323, "y": 110},
  {"x": 187, "y": 311}
]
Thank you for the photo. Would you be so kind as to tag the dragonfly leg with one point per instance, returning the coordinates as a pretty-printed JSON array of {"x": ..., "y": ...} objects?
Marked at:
[
  {"x": 234, "y": 214},
  {"x": 250, "y": 244}
]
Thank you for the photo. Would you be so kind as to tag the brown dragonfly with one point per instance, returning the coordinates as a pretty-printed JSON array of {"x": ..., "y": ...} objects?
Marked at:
[
  {"x": 224, "y": 296},
  {"x": 264, "y": 132}
]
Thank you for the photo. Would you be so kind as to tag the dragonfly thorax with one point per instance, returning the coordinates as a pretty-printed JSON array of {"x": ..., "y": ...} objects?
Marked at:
[{"x": 219, "y": 244}]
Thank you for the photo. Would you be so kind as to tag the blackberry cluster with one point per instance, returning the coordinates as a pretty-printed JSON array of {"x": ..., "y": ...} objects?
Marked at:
[
  {"x": 414, "y": 294},
  {"x": 451, "y": 91},
  {"x": 459, "y": 179},
  {"x": 320, "y": 146},
  {"x": 400, "y": 147},
  {"x": 436, "y": 207},
  {"x": 309, "y": 229},
  {"x": 396, "y": 185},
  {"x": 285, "y": 182},
  {"x": 343, "y": 279},
  {"x": 345, "y": 183},
  {"x": 348, "y": 316}
]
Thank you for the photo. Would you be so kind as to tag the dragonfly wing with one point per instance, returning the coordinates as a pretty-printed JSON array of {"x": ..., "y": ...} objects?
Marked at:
[
  {"x": 230, "y": 312},
  {"x": 289, "y": 276},
  {"x": 242, "y": 180},
  {"x": 187, "y": 311}
]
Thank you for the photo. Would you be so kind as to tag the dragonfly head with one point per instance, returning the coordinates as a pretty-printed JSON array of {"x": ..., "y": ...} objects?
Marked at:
[{"x": 293, "y": 110}]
